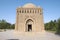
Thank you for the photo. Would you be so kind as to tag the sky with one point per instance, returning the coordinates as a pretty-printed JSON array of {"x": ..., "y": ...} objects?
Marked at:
[{"x": 51, "y": 9}]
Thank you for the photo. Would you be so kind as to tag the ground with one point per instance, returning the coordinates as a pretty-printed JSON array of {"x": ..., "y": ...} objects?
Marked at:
[{"x": 14, "y": 35}]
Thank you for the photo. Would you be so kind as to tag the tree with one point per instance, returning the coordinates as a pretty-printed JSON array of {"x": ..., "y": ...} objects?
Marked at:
[
  {"x": 46, "y": 26},
  {"x": 51, "y": 26},
  {"x": 55, "y": 25},
  {"x": 3, "y": 24},
  {"x": 12, "y": 26},
  {"x": 6, "y": 25},
  {"x": 58, "y": 28}
]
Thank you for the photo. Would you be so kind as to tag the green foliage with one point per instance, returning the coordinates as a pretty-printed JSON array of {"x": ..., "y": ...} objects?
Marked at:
[
  {"x": 12, "y": 26},
  {"x": 58, "y": 28},
  {"x": 53, "y": 26},
  {"x": 6, "y": 25}
]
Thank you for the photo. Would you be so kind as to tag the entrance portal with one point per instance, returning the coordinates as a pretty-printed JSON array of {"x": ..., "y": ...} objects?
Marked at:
[{"x": 29, "y": 27}]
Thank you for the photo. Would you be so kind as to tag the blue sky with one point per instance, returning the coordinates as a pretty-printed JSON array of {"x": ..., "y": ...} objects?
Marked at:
[{"x": 51, "y": 9}]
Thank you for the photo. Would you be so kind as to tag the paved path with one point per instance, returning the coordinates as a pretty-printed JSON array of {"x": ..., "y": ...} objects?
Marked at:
[{"x": 13, "y": 35}]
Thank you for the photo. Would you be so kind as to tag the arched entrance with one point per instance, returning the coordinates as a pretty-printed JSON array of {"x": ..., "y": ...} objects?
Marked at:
[{"x": 29, "y": 25}]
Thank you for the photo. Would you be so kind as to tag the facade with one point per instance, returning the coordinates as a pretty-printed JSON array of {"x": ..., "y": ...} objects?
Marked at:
[{"x": 29, "y": 18}]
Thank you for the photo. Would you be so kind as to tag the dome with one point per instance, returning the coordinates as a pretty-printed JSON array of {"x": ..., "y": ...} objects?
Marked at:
[{"x": 29, "y": 5}]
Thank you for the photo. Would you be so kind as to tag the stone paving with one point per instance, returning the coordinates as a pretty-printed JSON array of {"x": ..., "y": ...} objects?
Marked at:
[{"x": 14, "y": 35}]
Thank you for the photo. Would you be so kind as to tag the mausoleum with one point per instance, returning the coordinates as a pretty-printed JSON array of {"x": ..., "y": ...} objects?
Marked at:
[{"x": 29, "y": 18}]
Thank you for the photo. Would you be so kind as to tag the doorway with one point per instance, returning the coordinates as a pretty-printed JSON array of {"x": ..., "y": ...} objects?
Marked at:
[{"x": 29, "y": 27}]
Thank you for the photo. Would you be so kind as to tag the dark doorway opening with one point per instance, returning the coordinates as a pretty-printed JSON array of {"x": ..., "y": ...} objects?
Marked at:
[{"x": 29, "y": 27}]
